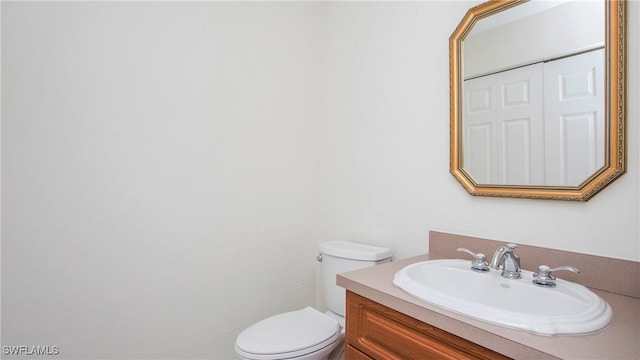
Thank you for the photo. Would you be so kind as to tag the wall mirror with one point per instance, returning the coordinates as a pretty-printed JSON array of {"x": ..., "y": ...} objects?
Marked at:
[{"x": 538, "y": 98}]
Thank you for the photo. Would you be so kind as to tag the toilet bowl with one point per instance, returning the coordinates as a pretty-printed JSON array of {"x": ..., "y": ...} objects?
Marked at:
[
  {"x": 308, "y": 333},
  {"x": 303, "y": 334}
]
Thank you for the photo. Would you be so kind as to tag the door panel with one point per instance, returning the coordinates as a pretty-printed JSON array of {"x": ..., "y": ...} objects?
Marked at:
[{"x": 574, "y": 117}]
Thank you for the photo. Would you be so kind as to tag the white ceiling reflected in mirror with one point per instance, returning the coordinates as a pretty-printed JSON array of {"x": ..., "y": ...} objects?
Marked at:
[{"x": 537, "y": 98}]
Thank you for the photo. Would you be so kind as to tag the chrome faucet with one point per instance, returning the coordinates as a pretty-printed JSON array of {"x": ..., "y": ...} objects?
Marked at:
[{"x": 506, "y": 260}]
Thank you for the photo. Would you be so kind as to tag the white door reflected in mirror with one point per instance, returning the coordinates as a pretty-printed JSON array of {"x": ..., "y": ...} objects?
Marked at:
[{"x": 540, "y": 124}]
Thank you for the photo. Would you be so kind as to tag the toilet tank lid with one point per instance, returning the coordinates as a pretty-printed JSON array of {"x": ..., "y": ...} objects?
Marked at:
[{"x": 355, "y": 251}]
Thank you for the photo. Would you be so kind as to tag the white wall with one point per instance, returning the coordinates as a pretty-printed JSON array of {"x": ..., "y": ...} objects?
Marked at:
[
  {"x": 168, "y": 168},
  {"x": 158, "y": 174},
  {"x": 387, "y": 177}
]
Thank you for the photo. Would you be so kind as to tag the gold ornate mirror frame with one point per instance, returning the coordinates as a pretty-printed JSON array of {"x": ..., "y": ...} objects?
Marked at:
[{"x": 615, "y": 109}]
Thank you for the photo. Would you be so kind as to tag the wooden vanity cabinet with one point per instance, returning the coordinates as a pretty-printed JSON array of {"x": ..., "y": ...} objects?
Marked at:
[{"x": 375, "y": 331}]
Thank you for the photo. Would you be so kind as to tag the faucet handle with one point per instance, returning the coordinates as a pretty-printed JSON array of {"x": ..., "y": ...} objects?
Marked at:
[
  {"x": 544, "y": 276},
  {"x": 479, "y": 262}
]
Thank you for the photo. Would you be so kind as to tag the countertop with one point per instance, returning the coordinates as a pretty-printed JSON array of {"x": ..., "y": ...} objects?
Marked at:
[{"x": 619, "y": 340}]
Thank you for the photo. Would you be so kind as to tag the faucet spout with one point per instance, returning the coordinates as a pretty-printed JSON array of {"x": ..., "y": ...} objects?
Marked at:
[
  {"x": 506, "y": 260},
  {"x": 496, "y": 260}
]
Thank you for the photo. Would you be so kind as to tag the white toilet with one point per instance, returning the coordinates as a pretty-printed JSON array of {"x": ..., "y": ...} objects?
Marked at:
[{"x": 309, "y": 333}]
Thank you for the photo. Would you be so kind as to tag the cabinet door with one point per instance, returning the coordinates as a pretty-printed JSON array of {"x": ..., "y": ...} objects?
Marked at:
[
  {"x": 383, "y": 333},
  {"x": 352, "y": 353}
]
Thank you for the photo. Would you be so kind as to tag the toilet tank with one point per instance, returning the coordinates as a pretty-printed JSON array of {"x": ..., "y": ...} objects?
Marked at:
[{"x": 342, "y": 256}]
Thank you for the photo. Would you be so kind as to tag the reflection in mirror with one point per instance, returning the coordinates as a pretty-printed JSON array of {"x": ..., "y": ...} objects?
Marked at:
[
  {"x": 533, "y": 85},
  {"x": 533, "y": 110}
]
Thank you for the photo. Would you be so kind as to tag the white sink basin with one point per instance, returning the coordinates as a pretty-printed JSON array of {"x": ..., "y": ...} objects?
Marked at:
[{"x": 569, "y": 308}]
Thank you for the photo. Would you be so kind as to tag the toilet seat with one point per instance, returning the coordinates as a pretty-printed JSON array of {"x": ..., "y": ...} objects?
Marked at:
[{"x": 288, "y": 335}]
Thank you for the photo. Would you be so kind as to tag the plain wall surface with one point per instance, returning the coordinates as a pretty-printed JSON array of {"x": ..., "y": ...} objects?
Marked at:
[
  {"x": 158, "y": 174},
  {"x": 388, "y": 174},
  {"x": 168, "y": 168}
]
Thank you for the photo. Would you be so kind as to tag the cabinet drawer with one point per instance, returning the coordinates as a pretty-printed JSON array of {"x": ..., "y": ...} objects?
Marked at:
[{"x": 383, "y": 333}]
